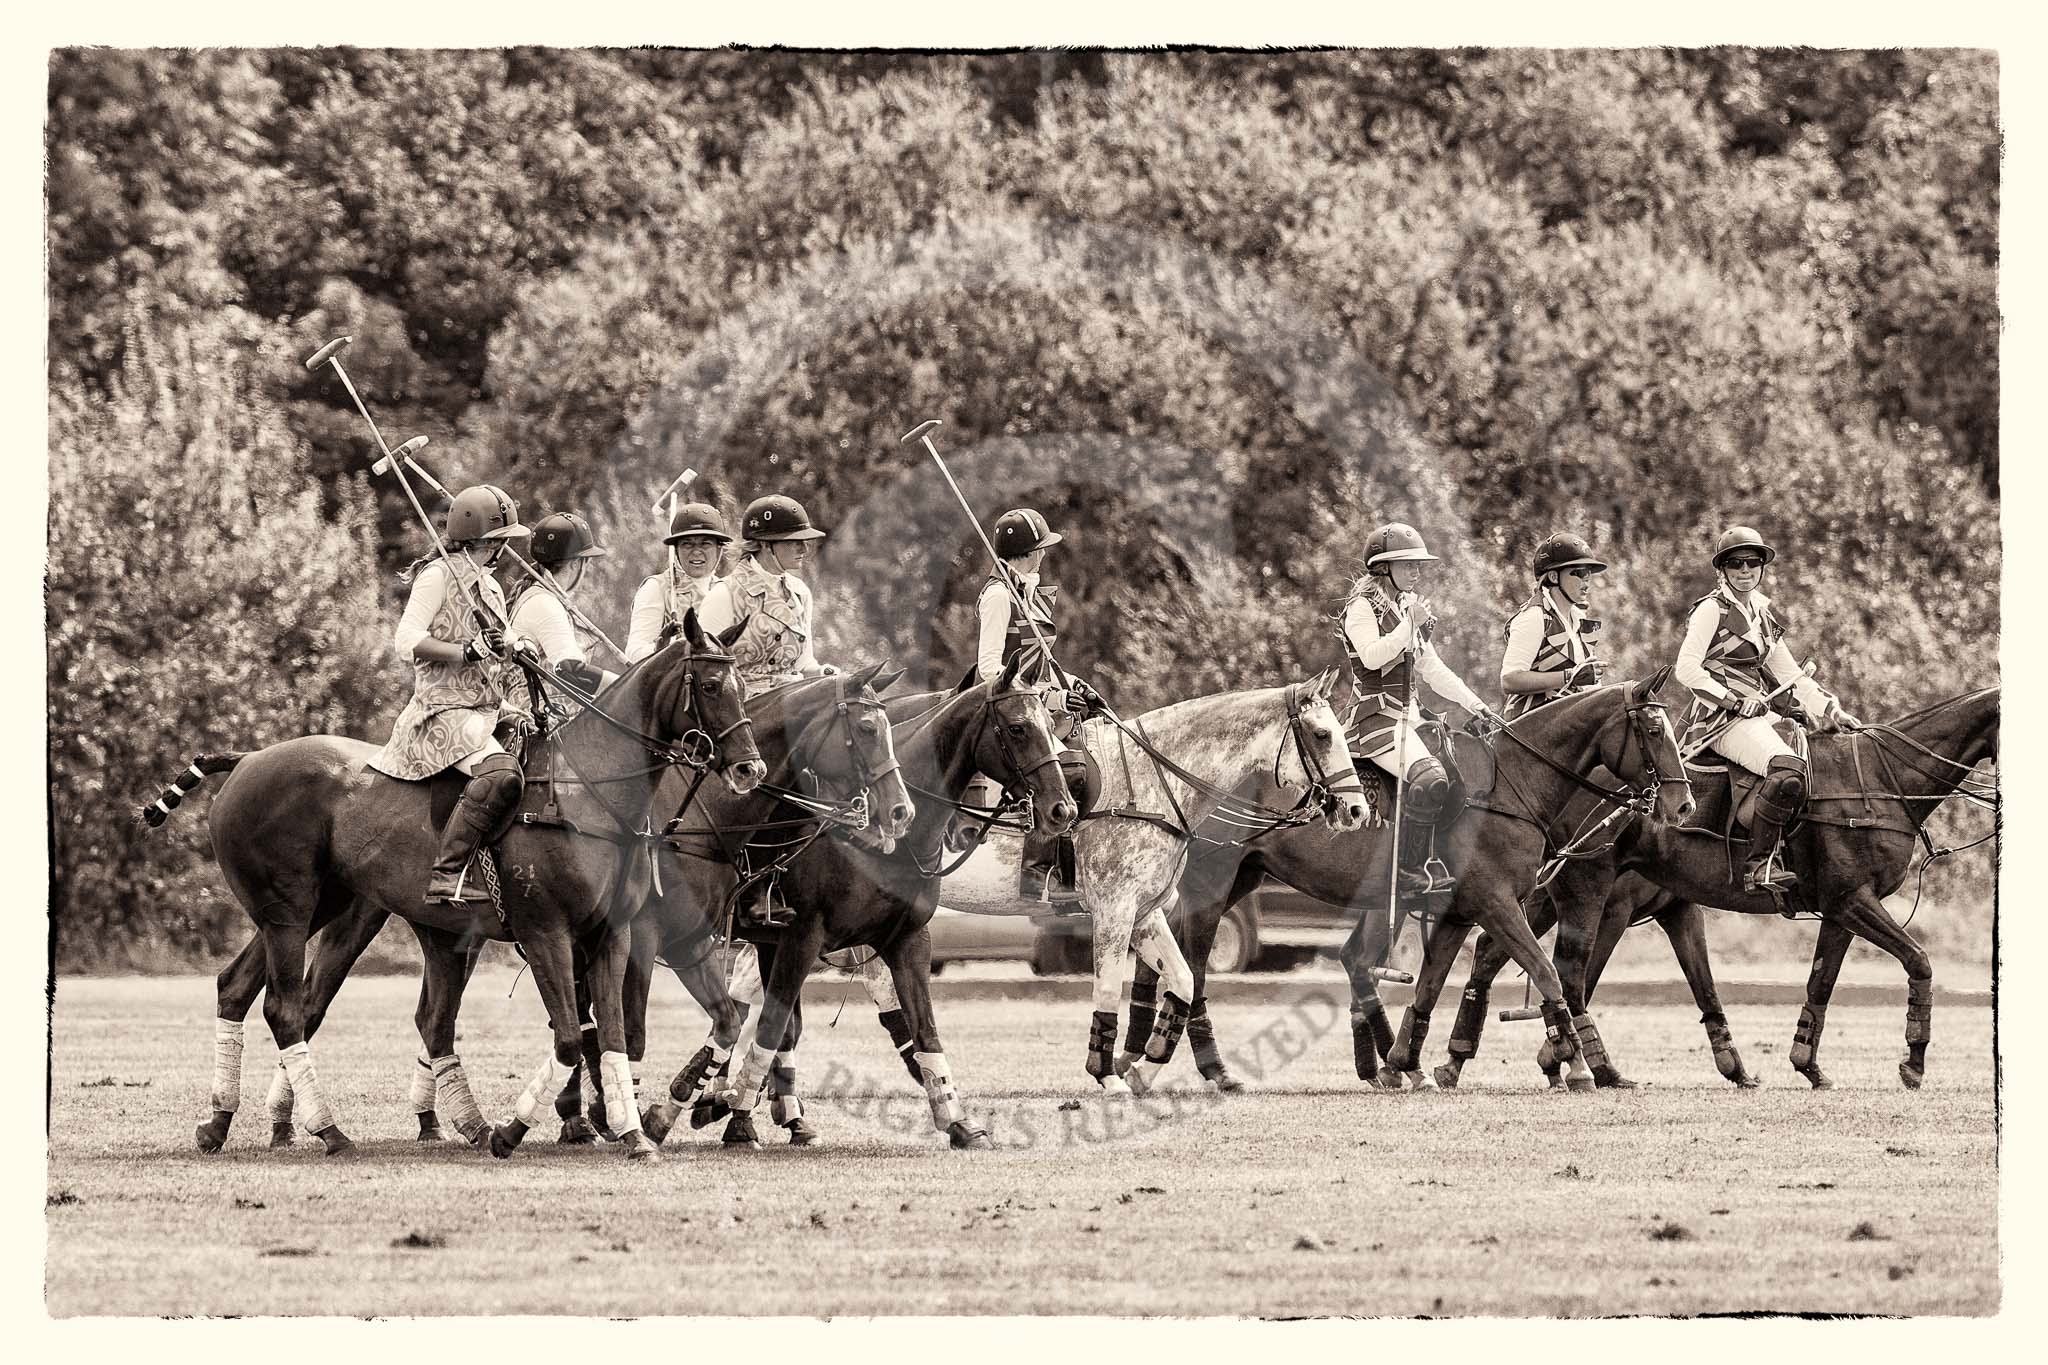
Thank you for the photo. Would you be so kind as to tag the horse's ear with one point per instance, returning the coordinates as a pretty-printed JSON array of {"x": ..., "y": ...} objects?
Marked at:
[
  {"x": 692, "y": 631},
  {"x": 730, "y": 634},
  {"x": 862, "y": 678},
  {"x": 1648, "y": 688},
  {"x": 1010, "y": 672},
  {"x": 1325, "y": 680},
  {"x": 888, "y": 679}
]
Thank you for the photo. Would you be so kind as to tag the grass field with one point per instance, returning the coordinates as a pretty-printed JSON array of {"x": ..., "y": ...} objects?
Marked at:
[{"x": 1308, "y": 1195}]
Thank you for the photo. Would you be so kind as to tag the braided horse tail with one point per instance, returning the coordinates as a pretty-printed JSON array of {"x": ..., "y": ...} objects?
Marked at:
[{"x": 201, "y": 768}]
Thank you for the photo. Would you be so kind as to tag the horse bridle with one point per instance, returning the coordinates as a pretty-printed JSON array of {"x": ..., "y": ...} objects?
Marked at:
[
  {"x": 1320, "y": 791},
  {"x": 1636, "y": 797}
]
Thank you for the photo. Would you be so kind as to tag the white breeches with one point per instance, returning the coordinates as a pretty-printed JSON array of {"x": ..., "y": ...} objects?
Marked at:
[
  {"x": 1401, "y": 750},
  {"x": 467, "y": 763},
  {"x": 1752, "y": 743}
]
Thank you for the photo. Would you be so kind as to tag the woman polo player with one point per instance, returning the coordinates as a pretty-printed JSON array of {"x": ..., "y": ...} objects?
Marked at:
[
  {"x": 1549, "y": 653},
  {"x": 696, "y": 538}
]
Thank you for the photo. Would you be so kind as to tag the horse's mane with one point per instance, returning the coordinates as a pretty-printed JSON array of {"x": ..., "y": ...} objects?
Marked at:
[{"x": 1944, "y": 704}]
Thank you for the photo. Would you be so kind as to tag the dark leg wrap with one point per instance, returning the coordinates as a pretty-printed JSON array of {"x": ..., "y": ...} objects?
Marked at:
[
  {"x": 1101, "y": 1040},
  {"x": 1173, "y": 1019},
  {"x": 1144, "y": 1001},
  {"x": 683, "y": 1089},
  {"x": 1372, "y": 1036},
  {"x": 1605, "y": 1073},
  {"x": 1726, "y": 1059},
  {"x": 1471, "y": 1022},
  {"x": 1562, "y": 1038},
  {"x": 1919, "y": 1029},
  {"x": 1202, "y": 1038},
  {"x": 1406, "y": 1054},
  {"x": 899, "y": 1034},
  {"x": 1806, "y": 1047}
]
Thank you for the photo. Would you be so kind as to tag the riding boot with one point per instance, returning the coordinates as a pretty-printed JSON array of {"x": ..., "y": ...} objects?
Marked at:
[
  {"x": 1777, "y": 803},
  {"x": 1047, "y": 875},
  {"x": 762, "y": 905},
  {"x": 492, "y": 792},
  {"x": 1422, "y": 874}
]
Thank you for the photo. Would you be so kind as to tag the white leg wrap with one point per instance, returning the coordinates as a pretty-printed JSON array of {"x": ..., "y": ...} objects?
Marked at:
[
  {"x": 1142, "y": 1073},
  {"x": 784, "y": 1106},
  {"x": 621, "y": 1111},
  {"x": 587, "y": 1085},
  {"x": 743, "y": 980},
  {"x": 745, "y": 1090},
  {"x": 315, "y": 1114},
  {"x": 540, "y": 1092},
  {"x": 227, "y": 1065},
  {"x": 938, "y": 1088},
  {"x": 423, "y": 1086},
  {"x": 279, "y": 1098},
  {"x": 455, "y": 1098},
  {"x": 880, "y": 983}
]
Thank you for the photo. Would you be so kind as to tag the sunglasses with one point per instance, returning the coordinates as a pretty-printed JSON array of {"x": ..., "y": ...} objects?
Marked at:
[
  {"x": 1578, "y": 573},
  {"x": 1743, "y": 562}
]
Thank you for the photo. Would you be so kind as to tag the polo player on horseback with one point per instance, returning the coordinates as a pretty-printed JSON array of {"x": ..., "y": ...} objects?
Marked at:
[
  {"x": 1733, "y": 654},
  {"x": 696, "y": 537},
  {"x": 1549, "y": 649},
  {"x": 773, "y": 605},
  {"x": 1021, "y": 537},
  {"x": 466, "y": 690},
  {"x": 562, "y": 543},
  {"x": 1387, "y": 630}
]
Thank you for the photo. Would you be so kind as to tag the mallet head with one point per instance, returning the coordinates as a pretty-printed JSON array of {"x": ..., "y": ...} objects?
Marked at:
[
  {"x": 665, "y": 501},
  {"x": 405, "y": 453},
  {"x": 327, "y": 352},
  {"x": 924, "y": 428}
]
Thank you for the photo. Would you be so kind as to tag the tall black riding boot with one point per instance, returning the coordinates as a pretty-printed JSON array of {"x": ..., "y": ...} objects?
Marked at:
[
  {"x": 1777, "y": 804},
  {"x": 1421, "y": 874},
  {"x": 492, "y": 792}
]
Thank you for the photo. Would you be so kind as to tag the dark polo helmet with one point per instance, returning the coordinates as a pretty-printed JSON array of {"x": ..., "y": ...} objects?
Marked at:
[
  {"x": 1020, "y": 530},
  {"x": 562, "y": 536},
  {"x": 776, "y": 517},
  {"x": 1396, "y": 542},
  {"x": 696, "y": 521},
  {"x": 1742, "y": 538},
  {"x": 1566, "y": 551},
  {"x": 484, "y": 512}
]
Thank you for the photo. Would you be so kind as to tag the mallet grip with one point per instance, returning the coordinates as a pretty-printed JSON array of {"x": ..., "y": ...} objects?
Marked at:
[
  {"x": 327, "y": 352},
  {"x": 1393, "y": 974},
  {"x": 1522, "y": 1015}
]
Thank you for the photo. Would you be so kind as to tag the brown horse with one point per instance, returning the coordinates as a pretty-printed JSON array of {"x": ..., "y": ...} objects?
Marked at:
[
  {"x": 1871, "y": 792},
  {"x": 848, "y": 894},
  {"x": 304, "y": 828},
  {"x": 1495, "y": 849}
]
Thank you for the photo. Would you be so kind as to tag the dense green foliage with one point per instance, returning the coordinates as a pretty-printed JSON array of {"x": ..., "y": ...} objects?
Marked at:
[{"x": 1215, "y": 314}]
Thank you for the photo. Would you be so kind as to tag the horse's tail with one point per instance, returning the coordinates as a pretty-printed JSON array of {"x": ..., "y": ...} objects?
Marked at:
[{"x": 202, "y": 767}]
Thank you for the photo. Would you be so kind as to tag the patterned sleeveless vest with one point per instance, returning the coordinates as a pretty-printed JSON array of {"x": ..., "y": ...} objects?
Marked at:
[
  {"x": 1732, "y": 659},
  {"x": 1389, "y": 689},
  {"x": 454, "y": 706},
  {"x": 778, "y": 627},
  {"x": 1018, "y": 638},
  {"x": 680, "y": 592},
  {"x": 1553, "y": 655}
]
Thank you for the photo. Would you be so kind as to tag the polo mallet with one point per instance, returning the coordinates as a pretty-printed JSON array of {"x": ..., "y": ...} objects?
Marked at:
[
  {"x": 666, "y": 499},
  {"x": 1687, "y": 755},
  {"x": 396, "y": 461}
]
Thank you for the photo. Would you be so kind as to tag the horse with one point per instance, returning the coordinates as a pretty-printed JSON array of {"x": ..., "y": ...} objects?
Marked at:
[
  {"x": 1190, "y": 758},
  {"x": 1851, "y": 846},
  {"x": 303, "y": 828},
  {"x": 1494, "y": 845},
  {"x": 849, "y": 892},
  {"x": 793, "y": 728}
]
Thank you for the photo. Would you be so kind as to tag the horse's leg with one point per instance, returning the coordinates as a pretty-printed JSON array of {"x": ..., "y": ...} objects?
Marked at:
[
  {"x": 1488, "y": 957},
  {"x": 1201, "y": 925},
  {"x": 1438, "y": 957},
  {"x": 910, "y": 966},
  {"x": 1153, "y": 940},
  {"x": 743, "y": 983},
  {"x": 789, "y": 963},
  {"x": 553, "y": 959},
  {"x": 1866, "y": 916},
  {"x": 446, "y": 960},
  {"x": 753, "y": 969},
  {"x": 1488, "y": 896},
  {"x": 1685, "y": 924},
  {"x": 704, "y": 979},
  {"x": 880, "y": 984},
  {"x": 611, "y": 951},
  {"x": 1579, "y": 923},
  {"x": 1828, "y": 949},
  {"x": 235, "y": 990},
  {"x": 285, "y": 931},
  {"x": 785, "y": 1106},
  {"x": 1372, "y": 1035},
  {"x": 1114, "y": 921}
]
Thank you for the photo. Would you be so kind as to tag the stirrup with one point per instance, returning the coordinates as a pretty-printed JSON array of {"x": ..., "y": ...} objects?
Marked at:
[
  {"x": 766, "y": 910},
  {"x": 1045, "y": 888},
  {"x": 1769, "y": 876},
  {"x": 463, "y": 892}
]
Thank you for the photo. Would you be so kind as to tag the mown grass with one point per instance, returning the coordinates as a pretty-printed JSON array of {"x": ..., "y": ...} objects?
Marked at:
[{"x": 1311, "y": 1195}]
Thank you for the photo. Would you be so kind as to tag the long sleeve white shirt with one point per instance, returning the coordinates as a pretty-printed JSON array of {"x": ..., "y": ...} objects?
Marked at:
[
  {"x": 1376, "y": 651},
  {"x": 1778, "y": 663},
  {"x": 1525, "y": 636},
  {"x": 429, "y": 590}
]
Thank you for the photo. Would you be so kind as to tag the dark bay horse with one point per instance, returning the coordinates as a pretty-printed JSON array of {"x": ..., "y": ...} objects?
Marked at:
[
  {"x": 304, "y": 829},
  {"x": 848, "y": 892},
  {"x": 1495, "y": 851},
  {"x": 1871, "y": 792}
]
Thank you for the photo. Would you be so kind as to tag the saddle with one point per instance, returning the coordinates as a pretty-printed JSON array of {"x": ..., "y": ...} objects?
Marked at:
[
  {"x": 444, "y": 789},
  {"x": 1470, "y": 766},
  {"x": 1726, "y": 792}
]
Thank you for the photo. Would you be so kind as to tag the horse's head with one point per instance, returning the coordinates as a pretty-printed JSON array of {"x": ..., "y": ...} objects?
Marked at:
[
  {"x": 1320, "y": 756},
  {"x": 698, "y": 701},
  {"x": 852, "y": 746},
  {"x": 1016, "y": 747},
  {"x": 1642, "y": 748}
]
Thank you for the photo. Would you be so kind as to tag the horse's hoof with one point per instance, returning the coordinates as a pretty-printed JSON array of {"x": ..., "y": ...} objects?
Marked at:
[
  {"x": 1447, "y": 1076},
  {"x": 739, "y": 1131},
  {"x": 506, "y": 1138},
  {"x": 658, "y": 1121},
  {"x": 1578, "y": 1084},
  {"x": 1911, "y": 1075},
  {"x": 1607, "y": 1078},
  {"x": 1402, "y": 1058},
  {"x": 599, "y": 1127},
  {"x": 336, "y": 1141},
  {"x": 1222, "y": 1082},
  {"x": 801, "y": 1134},
  {"x": 1386, "y": 1078},
  {"x": 1745, "y": 1081},
  {"x": 577, "y": 1131},
  {"x": 639, "y": 1147},
  {"x": 1115, "y": 1085},
  {"x": 212, "y": 1135},
  {"x": 968, "y": 1137},
  {"x": 708, "y": 1111},
  {"x": 282, "y": 1135},
  {"x": 481, "y": 1137},
  {"x": 430, "y": 1128},
  {"x": 1815, "y": 1077},
  {"x": 1419, "y": 1080},
  {"x": 1554, "y": 1081}
]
